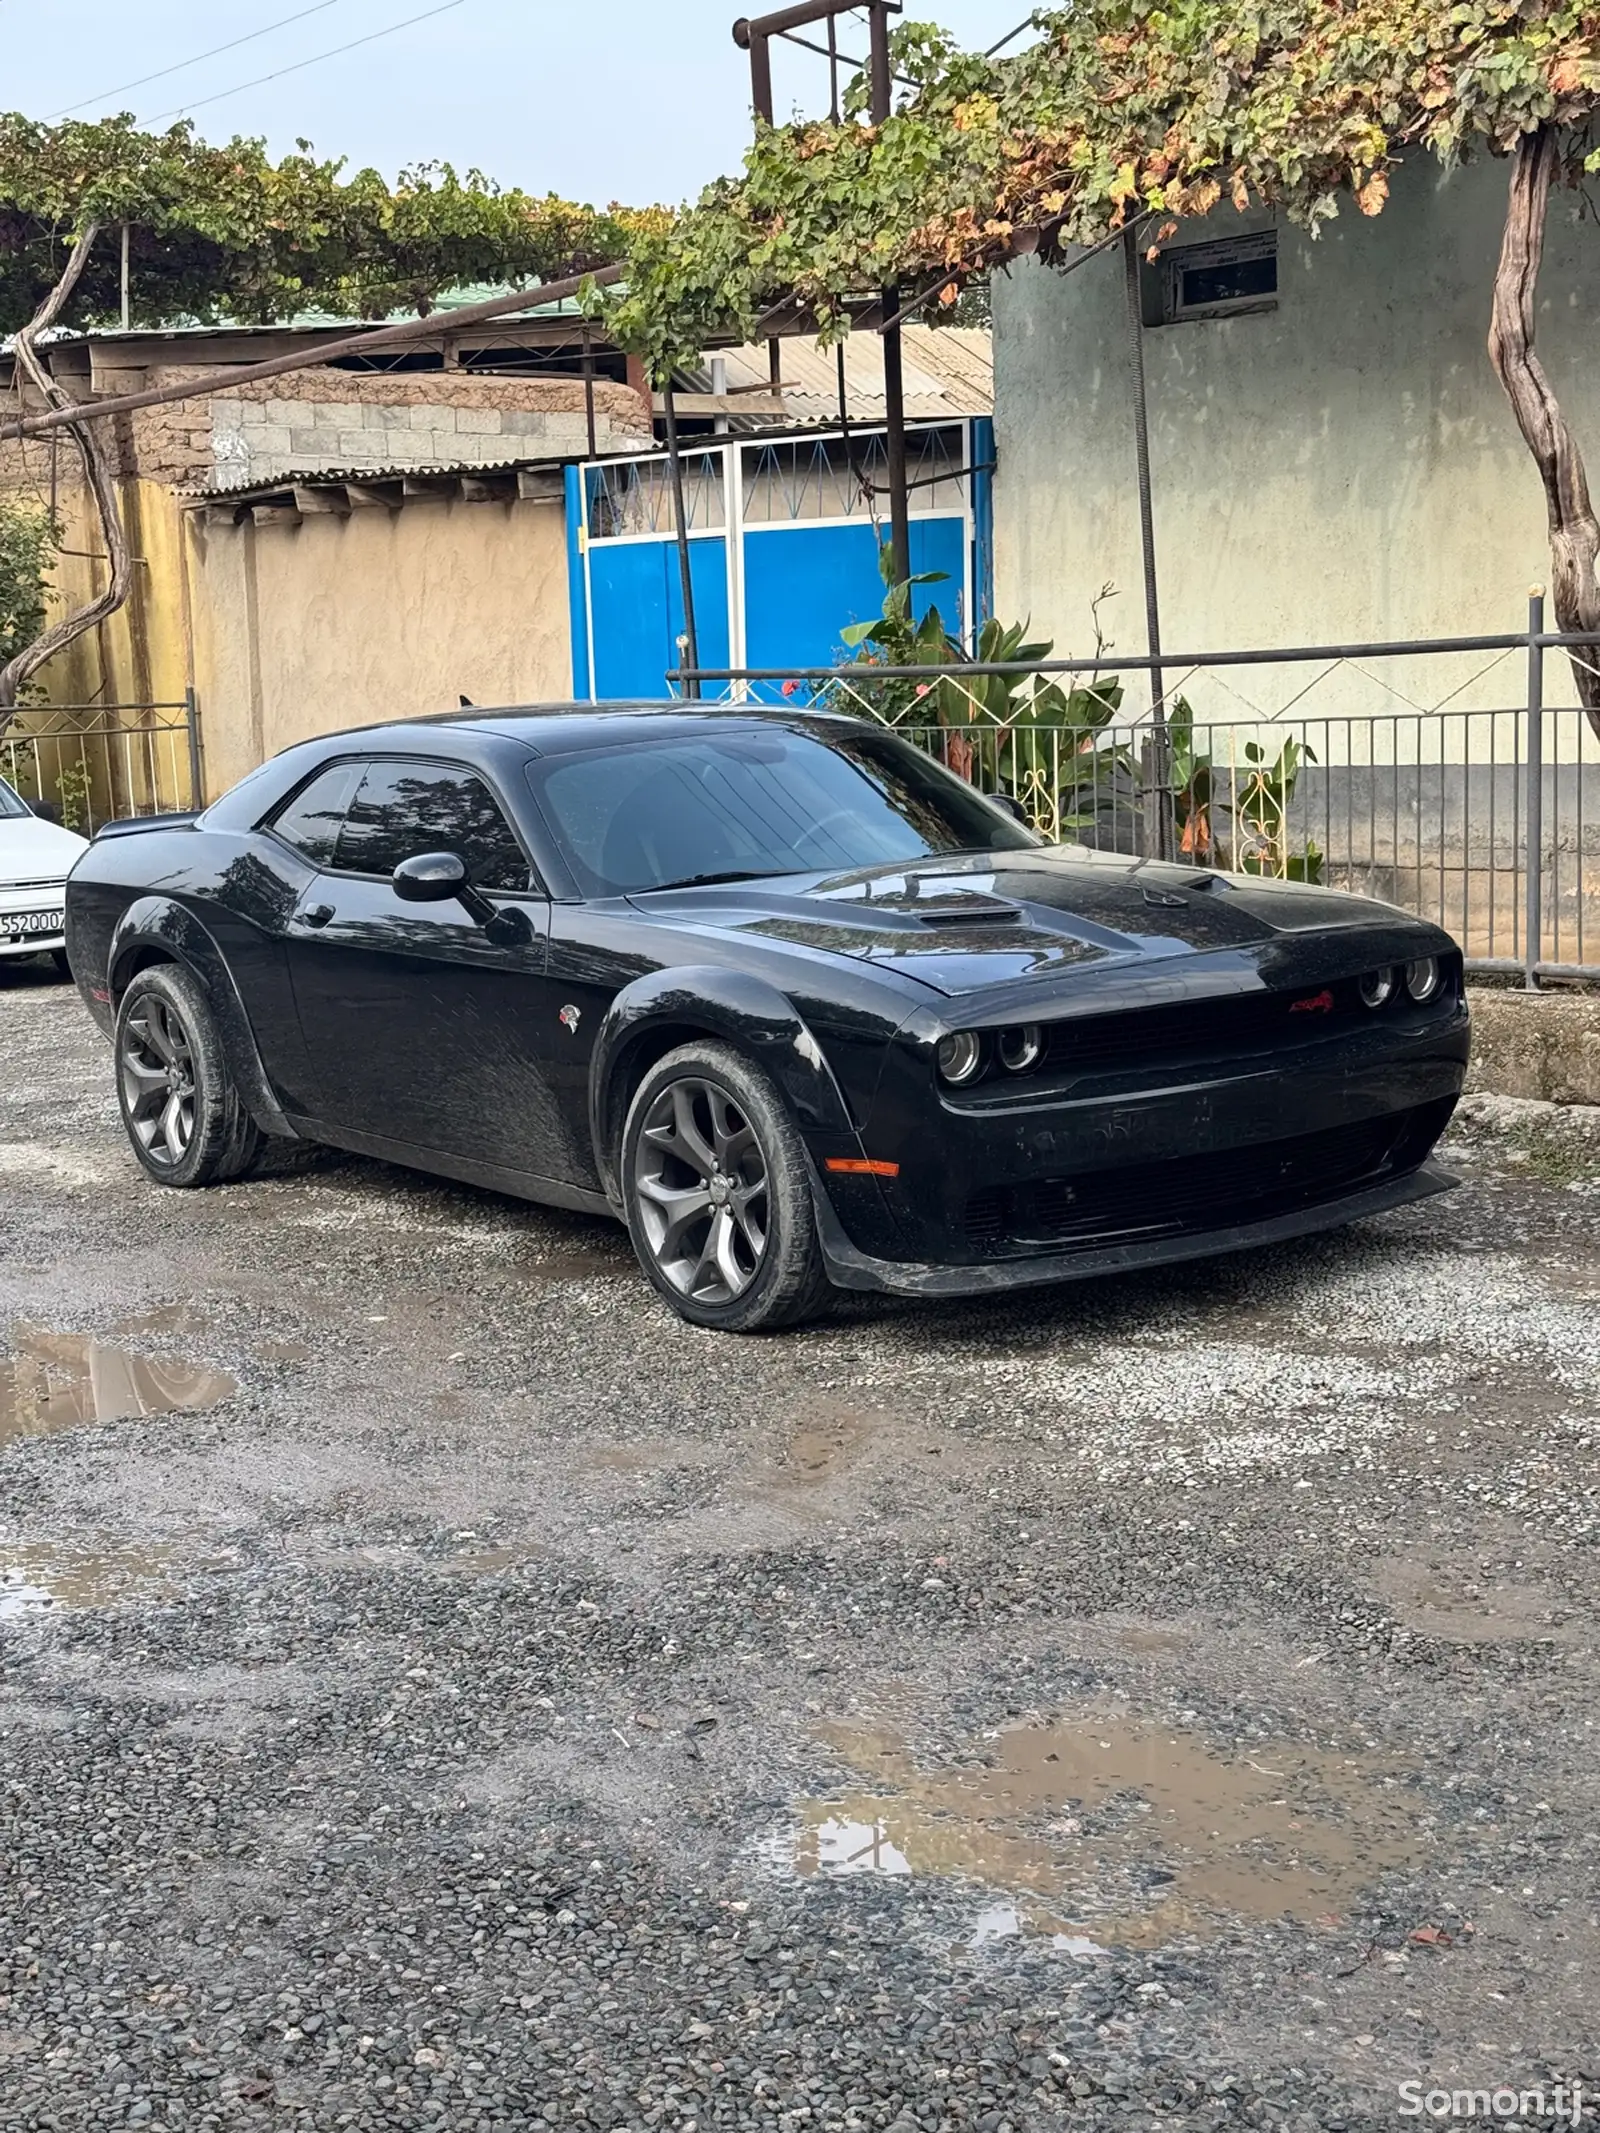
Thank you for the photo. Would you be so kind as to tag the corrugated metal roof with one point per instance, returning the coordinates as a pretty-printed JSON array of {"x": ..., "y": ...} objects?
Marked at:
[
  {"x": 262, "y": 486},
  {"x": 949, "y": 372}
]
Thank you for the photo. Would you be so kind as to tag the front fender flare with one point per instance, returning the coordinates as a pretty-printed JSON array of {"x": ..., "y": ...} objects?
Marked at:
[
  {"x": 164, "y": 924},
  {"x": 712, "y": 1001}
]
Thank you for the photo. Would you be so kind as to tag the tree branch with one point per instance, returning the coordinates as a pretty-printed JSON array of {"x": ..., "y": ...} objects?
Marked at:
[
  {"x": 1574, "y": 533},
  {"x": 99, "y": 474}
]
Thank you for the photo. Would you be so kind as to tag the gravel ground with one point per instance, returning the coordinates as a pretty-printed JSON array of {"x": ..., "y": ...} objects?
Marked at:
[{"x": 1159, "y": 1703}]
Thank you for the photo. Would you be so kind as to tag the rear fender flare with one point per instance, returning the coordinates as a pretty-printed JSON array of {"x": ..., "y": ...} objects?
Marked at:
[
  {"x": 733, "y": 1005},
  {"x": 178, "y": 936}
]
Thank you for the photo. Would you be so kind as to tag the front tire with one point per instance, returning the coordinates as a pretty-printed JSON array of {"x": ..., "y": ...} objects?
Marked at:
[
  {"x": 181, "y": 1108},
  {"x": 58, "y": 956},
  {"x": 718, "y": 1193}
]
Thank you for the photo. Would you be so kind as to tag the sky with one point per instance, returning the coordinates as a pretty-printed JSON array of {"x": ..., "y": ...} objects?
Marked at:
[{"x": 597, "y": 100}]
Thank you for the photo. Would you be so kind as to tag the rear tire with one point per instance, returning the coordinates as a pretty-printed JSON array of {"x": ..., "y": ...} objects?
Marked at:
[
  {"x": 181, "y": 1108},
  {"x": 717, "y": 1192},
  {"x": 58, "y": 956}
]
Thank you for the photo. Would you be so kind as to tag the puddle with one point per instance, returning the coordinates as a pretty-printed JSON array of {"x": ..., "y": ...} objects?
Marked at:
[
  {"x": 67, "y": 1380},
  {"x": 40, "y": 1578},
  {"x": 829, "y": 1439},
  {"x": 166, "y": 1318},
  {"x": 1153, "y": 1640},
  {"x": 283, "y": 1351},
  {"x": 575, "y": 1262},
  {"x": 1097, "y": 1829},
  {"x": 1460, "y": 1604},
  {"x": 826, "y": 1437},
  {"x": 490, "y": 1562}
]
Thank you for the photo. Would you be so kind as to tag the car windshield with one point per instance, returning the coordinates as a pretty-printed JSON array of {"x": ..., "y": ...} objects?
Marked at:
[
  {"x": 757, "y": 801},
  {"x": 12, "y": 803}
]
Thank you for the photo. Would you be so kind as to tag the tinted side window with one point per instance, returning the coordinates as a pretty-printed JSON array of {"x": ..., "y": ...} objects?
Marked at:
[
  {"x": 312, "y": 820},
  {"x": 404, "y": 808}
]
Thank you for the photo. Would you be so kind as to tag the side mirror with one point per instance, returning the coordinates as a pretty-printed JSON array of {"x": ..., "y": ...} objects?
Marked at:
[
  {"x": 46, "y": 810},
  {"x": 441, "y": 878},
  {"x": 1008, "y": 805}
]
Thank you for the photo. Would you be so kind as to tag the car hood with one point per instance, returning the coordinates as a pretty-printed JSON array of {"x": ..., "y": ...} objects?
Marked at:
[
  {"x": 32, "y": 849},
  {"x": 973, "y": 921}
]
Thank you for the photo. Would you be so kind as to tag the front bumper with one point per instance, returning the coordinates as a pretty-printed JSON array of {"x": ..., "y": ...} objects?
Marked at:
[
  {"x": 850, "y": 1268},
  {"x": 29, "y": 943},
  {"x": 18, "y": 904},
  {"x": 1112, "y": 1155}
]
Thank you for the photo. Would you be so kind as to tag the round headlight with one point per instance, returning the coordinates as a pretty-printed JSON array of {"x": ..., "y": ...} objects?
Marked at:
[
  {"x": 1422, "y": 978},
  {"x": 1020, "y": 1048},
  {"x": 1376, "y": 987},
  {"x": 960, "y": 1056}
]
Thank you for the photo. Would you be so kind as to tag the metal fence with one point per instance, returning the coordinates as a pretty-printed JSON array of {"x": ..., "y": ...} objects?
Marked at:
[
  {"x": 1430, "y": 773},
  {"x": 94, "y": 763}
]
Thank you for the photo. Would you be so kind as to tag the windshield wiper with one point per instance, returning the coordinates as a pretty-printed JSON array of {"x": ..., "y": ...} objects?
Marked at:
[{"x": 708, "y": 881}]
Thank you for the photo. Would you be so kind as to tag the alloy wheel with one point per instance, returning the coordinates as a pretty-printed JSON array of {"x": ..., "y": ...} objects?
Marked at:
[
  {"x": 157, "y": 1071},
  {"x": 700, "y": 1180}
]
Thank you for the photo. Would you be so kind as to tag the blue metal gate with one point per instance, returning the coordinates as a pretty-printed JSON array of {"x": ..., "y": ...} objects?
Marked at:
[{"x": 784, "y": 535}]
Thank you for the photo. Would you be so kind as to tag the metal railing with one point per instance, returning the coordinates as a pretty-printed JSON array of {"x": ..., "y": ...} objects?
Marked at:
[
  {"x": 96, "y": 763},
  {"x": 1463, "y": 796}
]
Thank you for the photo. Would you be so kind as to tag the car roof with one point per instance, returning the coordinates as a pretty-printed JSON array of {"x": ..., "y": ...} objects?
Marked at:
[{"x": 559, "y": 729}]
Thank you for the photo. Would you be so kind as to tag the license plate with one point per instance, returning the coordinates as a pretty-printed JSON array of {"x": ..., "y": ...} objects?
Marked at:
[{"x": 17, "y": 925}]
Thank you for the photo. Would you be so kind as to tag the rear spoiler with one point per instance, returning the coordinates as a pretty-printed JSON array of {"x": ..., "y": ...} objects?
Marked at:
[{"x": 133, "y": 825}]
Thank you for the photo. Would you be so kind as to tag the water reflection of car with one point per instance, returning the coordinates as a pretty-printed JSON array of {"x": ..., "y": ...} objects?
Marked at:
[
  {"x": 789, "y": 998},
  {"x": 36, "y": 856}
]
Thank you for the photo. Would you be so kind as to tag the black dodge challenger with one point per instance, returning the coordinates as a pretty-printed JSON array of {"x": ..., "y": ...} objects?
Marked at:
[{"x": 792, "y": 1000}]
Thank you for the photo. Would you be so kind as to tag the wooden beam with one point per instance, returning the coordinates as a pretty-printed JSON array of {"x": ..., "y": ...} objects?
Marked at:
[
  {"x": 540, "y": 485},
  {"x": 488, "y": 488},
  {"x": 436, "y": 488},
  {"x": 322, "y": 503},
  {"x": 275, "y": 514},
  {"x": 373, "y": 495}
]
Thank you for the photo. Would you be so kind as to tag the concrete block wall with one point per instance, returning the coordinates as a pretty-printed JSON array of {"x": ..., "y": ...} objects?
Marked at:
[{"x": 332, "y": 421}]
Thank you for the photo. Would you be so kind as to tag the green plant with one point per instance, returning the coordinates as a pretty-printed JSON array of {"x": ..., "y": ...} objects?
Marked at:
[
  {"x": 1118, "y": 110},
  {"x": 221, "y": 231},
  {"x": 28, "y": 543},
  {"x": 1258, "y": 804},
  {"x": 1128, "y": 116},
  {"x": 72, "y": 796},
  {"x": 1017, "y": 733}
]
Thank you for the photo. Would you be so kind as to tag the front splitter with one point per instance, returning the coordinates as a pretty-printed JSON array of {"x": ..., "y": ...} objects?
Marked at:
[{"x": 850, "y": 1268}]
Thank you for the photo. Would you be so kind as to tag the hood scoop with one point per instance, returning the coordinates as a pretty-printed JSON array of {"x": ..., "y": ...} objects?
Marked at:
[
  {"x": 949, "y": 907},
  {"x": 964, "y": 911}
]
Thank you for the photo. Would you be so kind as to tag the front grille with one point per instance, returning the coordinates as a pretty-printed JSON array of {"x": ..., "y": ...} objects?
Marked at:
[
  {"x": 1239, "y": 1023},
  {"x": 1214, "y": 1190}
]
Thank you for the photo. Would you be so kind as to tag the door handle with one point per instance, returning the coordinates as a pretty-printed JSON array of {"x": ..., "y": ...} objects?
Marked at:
[{"x": 317, "y": 914}]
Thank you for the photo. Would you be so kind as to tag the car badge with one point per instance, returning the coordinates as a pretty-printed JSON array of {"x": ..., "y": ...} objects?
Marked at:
[
  {"x": 1317, "y": 1003},
  {"x": 568, "y": 1019}
]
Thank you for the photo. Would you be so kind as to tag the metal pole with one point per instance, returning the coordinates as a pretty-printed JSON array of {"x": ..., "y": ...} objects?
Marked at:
[
  {"x": 127, "y": 311},
  {"x": 894, "y": 416},
  {"x": 191, "y": 709},
  {"x": 588, "y": 386},
  {"x": 894, "y": 391},
  {"x": 1159, "y": 797},
  {"x": 1533, "y": 821},
  {"x": 680, "y": 513}
]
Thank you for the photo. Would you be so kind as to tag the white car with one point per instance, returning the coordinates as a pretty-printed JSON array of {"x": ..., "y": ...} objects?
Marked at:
[{"x": 35, "y": 859}]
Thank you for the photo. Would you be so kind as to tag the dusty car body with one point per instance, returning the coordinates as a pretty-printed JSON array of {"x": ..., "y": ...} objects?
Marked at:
[{"x": 1001, "y": 1063}]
